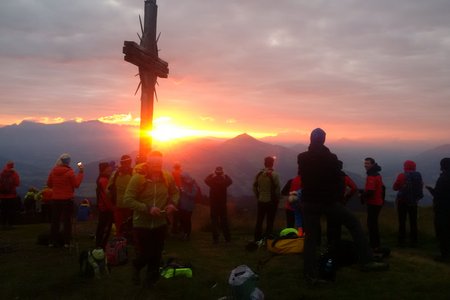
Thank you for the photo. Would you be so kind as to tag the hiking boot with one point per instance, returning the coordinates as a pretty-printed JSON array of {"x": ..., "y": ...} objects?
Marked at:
[{"x": 375, "y": 266}]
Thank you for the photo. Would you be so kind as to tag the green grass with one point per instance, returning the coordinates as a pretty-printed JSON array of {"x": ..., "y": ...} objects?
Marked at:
[{"x": 31, "y": 271}]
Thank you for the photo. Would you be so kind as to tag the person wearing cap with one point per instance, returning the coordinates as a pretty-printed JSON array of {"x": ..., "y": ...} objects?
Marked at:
[
  {"x": 152, "y": 195},
  {"x": 123, "y": 216},
  {"x": 441, "y": 209},
  {"x": 267, "y": 190},
  {"x": 322, "y": 190},
  {"x": 218, "y": 183},
  {"x": 63, "y": 181},
  {"x": 10, "y": 180},
  {"x": 409, "y": 187},
  {"x": 105, "y": 206}
]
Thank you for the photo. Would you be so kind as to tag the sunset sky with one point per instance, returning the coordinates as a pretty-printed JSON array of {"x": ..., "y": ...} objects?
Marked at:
[{"x": 358, "y": 69}]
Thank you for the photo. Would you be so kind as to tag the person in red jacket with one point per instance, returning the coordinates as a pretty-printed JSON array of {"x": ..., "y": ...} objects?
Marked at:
[
  {"x": 9, "y": 181},
  {"x": 105, "y": 206},
  {"x": 63, "y": 181}
]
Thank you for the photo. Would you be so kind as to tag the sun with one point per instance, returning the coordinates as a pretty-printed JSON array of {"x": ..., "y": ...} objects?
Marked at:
[{"x": 164, "y": 130}]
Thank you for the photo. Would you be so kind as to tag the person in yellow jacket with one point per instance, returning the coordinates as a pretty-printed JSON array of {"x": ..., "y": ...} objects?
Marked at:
[{"x": 152, "y": 195}]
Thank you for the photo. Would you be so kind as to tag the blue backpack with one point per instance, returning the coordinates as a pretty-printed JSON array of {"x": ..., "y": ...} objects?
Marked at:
[{"x": 412, "y": 190}]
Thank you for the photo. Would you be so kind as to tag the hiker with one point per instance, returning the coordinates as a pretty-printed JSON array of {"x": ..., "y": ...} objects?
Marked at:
[
  {"x": 123, "y": 216},
  {"x": 175, "y": 218},
  {"x": 218, "y": 183},
  {"x": 373, "y": 197},
  {"x": 441, "y": 208},
  {"x": 152, "y": 195},
  {"x": 322, "y": 189},
  {"x": 29, "y": 201},
  {"x": 409, "y": 185},
  {"x": 44, "y": 198},
  {"x": 188, "y": 192},
  {"x": 266, "y": 188},
  {"x": 63, "y": 181},
  {"x": 104, "y": 205},
  {"x": 9, "y": 181},
  {"x": 334, "y": 230}
]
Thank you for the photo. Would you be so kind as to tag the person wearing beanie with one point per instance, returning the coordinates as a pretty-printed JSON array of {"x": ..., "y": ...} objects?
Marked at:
[
  {"x": 267, "y": 190},
  {"x": 63, "y": 181},
  {"x": 104, "y": 205},
  {"x": 218, "y": 183},
  {"x": 9, "y": 181},
  {"x": 322, "y": 190},
  {"x": 123, "y": 216},
  {"x": 373, "y": 196},
  {"x": 409, "y": 187},
  {"x": 441, "y": 208}
]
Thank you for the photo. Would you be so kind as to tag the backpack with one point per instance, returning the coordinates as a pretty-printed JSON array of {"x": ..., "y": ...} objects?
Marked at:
[
  {"x": 174, "y": 268},
  {"x": 412, "y": 191},
  {"x": 273, "y": 195},
  {"x": 87, "y": 262},
  {"x": 288, "y": 242},
  {"x": 7, "y": 182},
  {"x": 117, "y": 251}
]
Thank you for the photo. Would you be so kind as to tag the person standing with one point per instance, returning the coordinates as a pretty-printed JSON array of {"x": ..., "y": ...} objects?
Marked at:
[
  {"x": 188, "y": 192},
  {"x": 116, "y": 189},
  {"x": 104, "y": 205},
  {"x": 322, "y": 190},
  {"x": 441, "y": 208},
  {"x": 9, "y": 181},
  {"x": 267, "y": 190},
  {"x": 409, "y": 185},
  {"x": 218, "y": 183},
  {"x": 373, "y": 196},
  {"x": 174, "y": 220},
  {"x": 152, "y": 195},
  {"x": 63, "y": 181}
]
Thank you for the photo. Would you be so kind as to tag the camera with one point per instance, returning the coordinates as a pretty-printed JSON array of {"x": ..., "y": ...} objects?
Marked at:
[{"x": 80, "y": 164}]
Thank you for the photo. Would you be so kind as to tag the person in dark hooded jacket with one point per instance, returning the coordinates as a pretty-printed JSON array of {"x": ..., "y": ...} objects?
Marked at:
[
  {"x": 409, "y": 185},
  {"x": 322, "y": 190},
  {"x": 441, "y": 207}
]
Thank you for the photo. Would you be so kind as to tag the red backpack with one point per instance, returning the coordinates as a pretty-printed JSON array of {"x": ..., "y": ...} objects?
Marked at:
[{"x": 116, "y": 251}]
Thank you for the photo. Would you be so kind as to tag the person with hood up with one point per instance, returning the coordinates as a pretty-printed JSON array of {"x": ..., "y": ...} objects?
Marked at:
[
  {"x": 267, "y": 190},
  {"x": 104, "y": 205},
  {"x": 409, "y": 185},
  {"x": 63, "y": 181},
  {"x": 373, "y": 196},
  {"x": 188, "y": 191},
  {"x": 441, "y": 208},
  {"x": 322, "y": 190},
  {"x": 10, "y": 180}
]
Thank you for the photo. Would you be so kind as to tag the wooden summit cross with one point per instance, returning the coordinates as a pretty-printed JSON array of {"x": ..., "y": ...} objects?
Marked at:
[{"x": 145, "y": 56}]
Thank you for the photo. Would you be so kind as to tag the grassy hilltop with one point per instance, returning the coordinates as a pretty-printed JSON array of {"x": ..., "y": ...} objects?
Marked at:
[{"x": 31, "y": 271}]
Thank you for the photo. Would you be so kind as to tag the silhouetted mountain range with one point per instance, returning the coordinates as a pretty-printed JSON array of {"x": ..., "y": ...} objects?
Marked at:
[{"x": 35, "y": 147}]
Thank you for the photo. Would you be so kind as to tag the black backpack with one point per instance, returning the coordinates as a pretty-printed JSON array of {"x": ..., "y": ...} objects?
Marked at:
[{"x": 412, "y": 190}]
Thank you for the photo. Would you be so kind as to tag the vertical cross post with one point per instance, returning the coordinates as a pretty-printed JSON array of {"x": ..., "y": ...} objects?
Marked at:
[{"x": 145, "y": 56}]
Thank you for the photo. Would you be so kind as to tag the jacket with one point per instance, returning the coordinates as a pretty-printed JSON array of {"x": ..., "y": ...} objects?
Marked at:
[
  {"x": 266, "y": 186},
  {"x": 322, "y": 180},
  {"x": 409, "y": 169},
  {"x": 103, "y": 200},
  {"x": 63, "y": 182},
  {"x": 142, "y": 194},
  {"x": 218, "y": 185},
  {"x": 373, "y": 190},
  {"x": 9, "y": 171},
  {"x": 119, "y": 181}
]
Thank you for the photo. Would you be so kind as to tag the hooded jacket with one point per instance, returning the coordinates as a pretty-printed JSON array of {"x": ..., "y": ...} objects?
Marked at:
[
  {"x": 63, "y": 182},
  {"x": 118, "y": 183},
  {"x": 142, "y": 194},
  {"x": 9, "y": 171}
]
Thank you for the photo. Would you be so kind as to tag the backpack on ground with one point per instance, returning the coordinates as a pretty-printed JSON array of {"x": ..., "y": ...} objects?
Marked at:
[
  {"x": 243, "y": 281},
  {"x": 7, "y": 182},
  {"x": 174, "y": 268},
  {"x": 288, "y": 242},
  {"x": 412, "y": 190},
  {"x": 117, "y": 251},
  {"x": 93, "y": 263}
]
